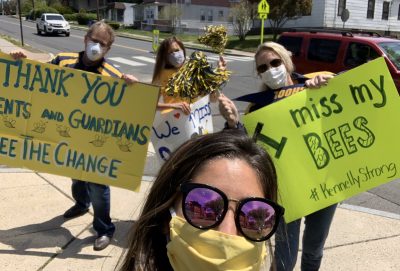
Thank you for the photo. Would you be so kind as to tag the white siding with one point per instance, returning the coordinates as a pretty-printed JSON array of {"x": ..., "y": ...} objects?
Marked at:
[
  {"x": 316, "y": 19},
  {"x": 324, "y": 14},
  {"x": 129, "y": 16},
  {"x": 191, "y": 17}
]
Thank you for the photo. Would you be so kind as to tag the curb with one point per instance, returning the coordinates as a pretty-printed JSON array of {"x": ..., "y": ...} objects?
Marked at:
[{"x": 188, "y": 45}]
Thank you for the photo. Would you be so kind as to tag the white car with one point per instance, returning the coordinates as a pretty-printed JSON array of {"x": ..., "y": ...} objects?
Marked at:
[{"x": 52, "y": 23}]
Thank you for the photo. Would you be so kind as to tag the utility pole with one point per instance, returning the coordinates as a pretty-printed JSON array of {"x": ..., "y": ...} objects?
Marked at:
[
  {"x": 33, "y": 8},
  {"x": 98, "y": 13},
  {"x": 20, "y": 22},
  {"x": 2, "y": 8}
]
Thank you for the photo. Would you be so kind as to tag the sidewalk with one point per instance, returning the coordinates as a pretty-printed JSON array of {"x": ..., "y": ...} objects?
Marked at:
[{"x": 34, "y": 235}]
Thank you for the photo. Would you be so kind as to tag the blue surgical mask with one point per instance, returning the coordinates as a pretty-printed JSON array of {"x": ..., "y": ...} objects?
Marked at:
[{"x": 176, "y": 59}]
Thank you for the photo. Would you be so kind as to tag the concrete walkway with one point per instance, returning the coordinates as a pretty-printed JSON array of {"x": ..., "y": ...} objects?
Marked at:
[{"x": 34, "y": 235}]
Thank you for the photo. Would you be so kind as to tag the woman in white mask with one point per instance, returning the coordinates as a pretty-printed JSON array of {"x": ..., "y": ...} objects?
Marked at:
[
  {"x": 211, "y": 207},
  {"x": 171, "y": 56},
  {"x": 275, "y": 68}
]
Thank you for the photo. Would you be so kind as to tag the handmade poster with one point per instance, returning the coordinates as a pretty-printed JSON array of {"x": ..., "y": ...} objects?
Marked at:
[
  {"x": 331, "y": 143},
  {"x": 74, "y": 123},
  {"x": 171, "y": 128}
]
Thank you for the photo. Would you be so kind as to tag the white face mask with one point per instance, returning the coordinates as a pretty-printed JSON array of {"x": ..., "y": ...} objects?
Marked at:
[
  {"x": 199, "y": 250},
  {"x": 176, "y": 58},
  {"x": 94, "y": 51},
  {"x": 275, "y": 78}
]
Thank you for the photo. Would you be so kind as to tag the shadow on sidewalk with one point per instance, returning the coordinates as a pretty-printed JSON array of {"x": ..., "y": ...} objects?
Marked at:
[{"x": 53, "y": 240}]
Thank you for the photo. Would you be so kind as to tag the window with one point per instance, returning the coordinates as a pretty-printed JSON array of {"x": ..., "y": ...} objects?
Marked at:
[
  {"x": 392, "y": 50},
  {"x": 398, "y": 14},
  {"x": 323, "y": 50},
  {"x": 371, "y": 9},
  {"x": 385, "y": 11},
  {"x": 210, "y": 15},
  {"x": 359, "y": 53},
  {"x": 202, "y": 15},
  {"x": 292, "y": 44},
  {"x": 220, "y": 13},
  {"x": 341, "y": 7}
]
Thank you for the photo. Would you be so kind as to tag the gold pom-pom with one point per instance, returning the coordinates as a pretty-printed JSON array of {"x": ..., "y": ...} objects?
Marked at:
[
  {"x": 196, "y": 78},
  {"x": 216, "y": 37}
]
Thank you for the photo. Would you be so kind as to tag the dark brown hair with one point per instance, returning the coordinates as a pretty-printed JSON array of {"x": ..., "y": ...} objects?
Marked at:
[
  {"x": 147, "y": 247},
  {"x": 162, "y": 56}
]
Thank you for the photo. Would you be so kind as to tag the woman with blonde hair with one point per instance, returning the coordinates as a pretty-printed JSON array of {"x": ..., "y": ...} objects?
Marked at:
[{"x": 276, "y": 70}]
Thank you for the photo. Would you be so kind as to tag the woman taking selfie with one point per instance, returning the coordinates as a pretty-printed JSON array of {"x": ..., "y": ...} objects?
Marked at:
[{"x": 211, "y": 207}]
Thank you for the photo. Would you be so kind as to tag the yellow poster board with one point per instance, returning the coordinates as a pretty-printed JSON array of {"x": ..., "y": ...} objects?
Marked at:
[
  {"x": 73, "y": 123},
  {"x": 331, "y": 143}
]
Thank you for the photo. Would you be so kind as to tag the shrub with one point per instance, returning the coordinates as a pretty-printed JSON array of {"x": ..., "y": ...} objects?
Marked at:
[
  {"x": 114, "y": 25},
  {"x": 84, "y": 18},
  {"x": 63, "y": 9},
  {"x": 70, "y": 17},
  {"x": 37, "y": 12}
]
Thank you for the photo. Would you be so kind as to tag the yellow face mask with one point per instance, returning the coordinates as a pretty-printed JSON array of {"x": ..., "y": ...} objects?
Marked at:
[{"x": 199, "y": 250}]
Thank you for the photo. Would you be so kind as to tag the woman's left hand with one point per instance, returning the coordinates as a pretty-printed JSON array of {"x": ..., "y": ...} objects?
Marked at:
[
  {"x": 222, "y": 63},
  {"x": 129, "y": 78},
  {"x": 318, "y": 81},
  {"x": 228, "y": 110}
]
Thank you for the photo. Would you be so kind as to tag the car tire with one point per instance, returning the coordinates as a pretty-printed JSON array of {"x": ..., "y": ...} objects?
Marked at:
[
  {"x": 45, "y": 31},
  {"x": 67, "y": 34},
  {"x": 38, "y": 30}
]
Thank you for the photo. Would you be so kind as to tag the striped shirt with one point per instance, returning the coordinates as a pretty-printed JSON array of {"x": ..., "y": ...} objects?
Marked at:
[{"x": 74, "y": 60}]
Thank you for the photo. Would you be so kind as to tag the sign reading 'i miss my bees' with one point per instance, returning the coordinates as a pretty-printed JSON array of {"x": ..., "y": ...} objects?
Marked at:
[{"x": 331, "y": 143}]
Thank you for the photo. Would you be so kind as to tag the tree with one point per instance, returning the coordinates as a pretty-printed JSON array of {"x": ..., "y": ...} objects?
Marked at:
[
  {"x": 243, "y": 14},
  {"x": 172, "y": 13},
  {"x": 282, "y": 11},
  {"x": 259, "y": 215}
]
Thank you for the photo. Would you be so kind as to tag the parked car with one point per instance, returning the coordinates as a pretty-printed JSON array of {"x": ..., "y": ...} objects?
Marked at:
[
  {"x": 52, "y": 23},
  {"x": 335, "y": 52}
]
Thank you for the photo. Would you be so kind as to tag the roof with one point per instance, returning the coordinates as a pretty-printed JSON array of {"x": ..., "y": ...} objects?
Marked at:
[{"x": 116, "y": 5}]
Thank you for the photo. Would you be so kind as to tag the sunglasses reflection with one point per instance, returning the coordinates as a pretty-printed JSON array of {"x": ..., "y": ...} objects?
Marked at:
[{"x": 206, "y": 208}]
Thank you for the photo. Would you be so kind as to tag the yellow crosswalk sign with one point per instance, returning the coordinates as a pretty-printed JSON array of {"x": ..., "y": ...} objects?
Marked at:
[
  {"x": 262, "y": 16},
  {"x": 263, "y": 7}
]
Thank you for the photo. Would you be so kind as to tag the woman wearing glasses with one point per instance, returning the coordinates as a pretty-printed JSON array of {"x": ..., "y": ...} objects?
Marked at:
[
  {"x": 211, "y": 207},
  {"x": 276, "y": 70}
]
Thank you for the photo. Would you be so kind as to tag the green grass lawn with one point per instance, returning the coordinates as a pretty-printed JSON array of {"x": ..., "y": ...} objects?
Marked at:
[{"x": 250, "y": 44}]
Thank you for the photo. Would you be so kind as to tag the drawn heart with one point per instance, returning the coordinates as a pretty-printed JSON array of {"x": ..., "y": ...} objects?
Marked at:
[{"x": 177, "y": 115}]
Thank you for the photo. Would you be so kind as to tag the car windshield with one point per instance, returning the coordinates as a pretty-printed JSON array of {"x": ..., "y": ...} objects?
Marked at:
[
  {"x": 392, "y": 50},
  {"x": 54, "y": 18}
]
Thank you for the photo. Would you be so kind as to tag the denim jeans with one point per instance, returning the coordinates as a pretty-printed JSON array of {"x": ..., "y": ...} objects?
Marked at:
[
  {"x": 315, "y": 233},
  {"x": 85, "y": 193}
]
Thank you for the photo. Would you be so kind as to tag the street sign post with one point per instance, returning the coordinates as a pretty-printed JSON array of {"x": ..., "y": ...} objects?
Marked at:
[
  {"x": 263, "y": 10},
  {"x": 156, "y": 34}
]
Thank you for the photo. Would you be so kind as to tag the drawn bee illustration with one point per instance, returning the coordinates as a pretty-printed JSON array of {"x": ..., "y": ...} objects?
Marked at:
[
  {"x": 205, "y": 130},
  {"x": 99, "y": 140},
  {"x": 9, "y": 123},
  {"x": 40, "y": 126},
  {"x": 124, "y": 145},
  {"x": 63, "y": 130}
]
